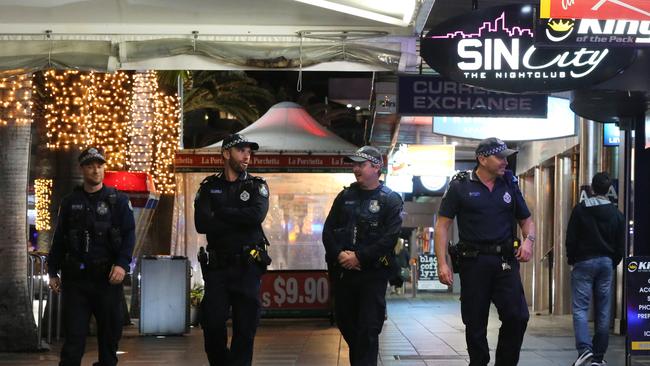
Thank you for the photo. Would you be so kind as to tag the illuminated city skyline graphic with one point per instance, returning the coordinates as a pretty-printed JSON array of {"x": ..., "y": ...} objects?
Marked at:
[{"x": 496, "y": 26}]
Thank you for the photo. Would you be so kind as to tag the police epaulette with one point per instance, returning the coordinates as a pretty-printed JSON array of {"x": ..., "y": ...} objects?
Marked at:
[
  {"x": 208, "y": 179},
  {"x": 261, "y": 179},
  {"x": 461, "y": 176}
]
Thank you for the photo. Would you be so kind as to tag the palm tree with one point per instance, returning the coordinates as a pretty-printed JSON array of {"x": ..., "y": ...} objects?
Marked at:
[{"x": 17, "y": 328}]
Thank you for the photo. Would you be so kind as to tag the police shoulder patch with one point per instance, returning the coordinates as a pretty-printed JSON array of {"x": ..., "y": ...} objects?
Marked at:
[{"x": 264, "y": 191}]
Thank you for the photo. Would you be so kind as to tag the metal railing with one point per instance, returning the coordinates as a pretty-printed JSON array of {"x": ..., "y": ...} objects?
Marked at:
[{"x": 36, "y": 281}]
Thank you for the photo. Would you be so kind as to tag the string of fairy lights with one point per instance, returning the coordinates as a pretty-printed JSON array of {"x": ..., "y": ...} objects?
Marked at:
[
  {"x": 109, "y": 96},
  {"x": 124, "y": 113},
  {"x": 42, "y": 197},
  {"x": 16, "y": 100}
]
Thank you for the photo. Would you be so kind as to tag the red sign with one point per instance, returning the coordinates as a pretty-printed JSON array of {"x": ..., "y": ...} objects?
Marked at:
[
  {"x": 296, "y": 292},
  {"x": 211, "y": 162},
  {"x": 595, "y": 9}
]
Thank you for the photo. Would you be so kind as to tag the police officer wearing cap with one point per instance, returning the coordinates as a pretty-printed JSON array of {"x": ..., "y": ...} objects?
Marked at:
[
  {"x": 488, "y": 206},
  {"x": 230, "y": 208},
  {"x": 92, "y": 247},
  {"x": 359, "y": 236}
]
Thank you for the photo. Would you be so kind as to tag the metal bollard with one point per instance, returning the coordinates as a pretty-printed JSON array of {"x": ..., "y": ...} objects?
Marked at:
[{"x": 49, "y": 316}]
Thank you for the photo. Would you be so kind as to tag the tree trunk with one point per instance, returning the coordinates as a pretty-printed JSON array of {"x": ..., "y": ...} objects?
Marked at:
[{"x": 17, "y": 326}]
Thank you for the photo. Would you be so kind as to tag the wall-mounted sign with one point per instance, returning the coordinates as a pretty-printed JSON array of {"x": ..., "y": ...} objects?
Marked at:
[
  {"x": 595, "y": 9},
  {"x": 592, "y": 32},
  {"x": 425, "y": 95},
  {"x": 637, "y": 283},
  {"x": 611, "y": 134},
  {"x": 560, "y": 123},
  {"x": 494, "y": 48}
]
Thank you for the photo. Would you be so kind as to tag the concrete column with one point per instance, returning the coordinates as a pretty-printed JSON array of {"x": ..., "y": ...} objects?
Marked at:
[{"x": 563, "y": 205}]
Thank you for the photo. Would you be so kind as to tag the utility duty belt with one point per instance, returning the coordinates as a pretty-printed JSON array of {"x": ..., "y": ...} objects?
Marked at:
[
  {"x": 505, "y": 249},
  {"x": 250, "y": 255},
  {"x": 75, "y": 269}
]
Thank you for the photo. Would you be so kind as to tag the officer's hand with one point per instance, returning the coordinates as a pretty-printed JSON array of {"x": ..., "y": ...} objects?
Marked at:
[
  {"x": 55, "y": 284},
  {"x": 349, "y": 260},
  {"x": 117, "y": 275},
  {"x": 525, "y": 251},
  {"x": 445, "y": 275}
]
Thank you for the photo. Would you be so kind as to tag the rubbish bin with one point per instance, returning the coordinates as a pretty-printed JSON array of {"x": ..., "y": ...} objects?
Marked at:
[{"x": 164, "y": 295}]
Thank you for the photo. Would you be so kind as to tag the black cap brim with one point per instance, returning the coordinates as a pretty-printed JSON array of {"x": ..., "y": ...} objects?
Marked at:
[
  {"x": 354, "y": 159},
  {"x": 507, "y": 152}
]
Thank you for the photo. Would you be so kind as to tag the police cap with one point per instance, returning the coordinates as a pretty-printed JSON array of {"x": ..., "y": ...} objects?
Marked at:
[
  {"x": 369, "y": 153},
  {"x": 91, "y": 154},
  {"x": 238, "y": 140},
  {"x": 494, "y": 146}
]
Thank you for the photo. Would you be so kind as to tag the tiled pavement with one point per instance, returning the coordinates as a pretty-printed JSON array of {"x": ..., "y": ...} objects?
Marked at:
[{"x": 423, "y": 331}]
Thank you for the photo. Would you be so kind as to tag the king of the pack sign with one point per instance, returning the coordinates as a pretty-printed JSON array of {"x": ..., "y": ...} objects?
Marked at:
[{"x": 494, "y": 48}]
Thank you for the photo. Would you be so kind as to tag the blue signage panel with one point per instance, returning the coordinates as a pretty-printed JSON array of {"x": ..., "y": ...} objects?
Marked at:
[
  {"x": 425, "y": 95},
  {"x": 637, "y": 285},
  {"x": 611, "y": 135}
]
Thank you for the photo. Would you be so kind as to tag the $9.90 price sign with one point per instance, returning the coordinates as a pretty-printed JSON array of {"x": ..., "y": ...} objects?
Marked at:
[{"x": 295, "y": 293}]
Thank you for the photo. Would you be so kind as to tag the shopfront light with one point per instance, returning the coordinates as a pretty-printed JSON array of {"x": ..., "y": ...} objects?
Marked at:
[{"x": 375, "y": 10}]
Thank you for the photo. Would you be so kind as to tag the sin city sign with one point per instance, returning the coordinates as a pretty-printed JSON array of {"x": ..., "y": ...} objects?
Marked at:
[{"x": 494, "y": 48}]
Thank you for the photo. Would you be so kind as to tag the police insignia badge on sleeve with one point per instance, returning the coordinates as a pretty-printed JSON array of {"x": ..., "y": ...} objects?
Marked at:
[
  {"x": 374, "y": 206},
  {"x": 264, "y": 191},
  {"x": 244, "y": 196},
  {"x": 507, "y": 198},
  {"x": 102, "y": 208}
]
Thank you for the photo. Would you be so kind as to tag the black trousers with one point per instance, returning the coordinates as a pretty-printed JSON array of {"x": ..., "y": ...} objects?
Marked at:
[
  {"x": 85, "y": 297},
  {"x": 235, "y": 288},
  {"x": 360, "y": 308},
  {"x": 483, "y": 281}
]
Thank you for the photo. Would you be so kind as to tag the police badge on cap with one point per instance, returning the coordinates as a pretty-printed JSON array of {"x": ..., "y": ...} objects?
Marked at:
[{"x": 91, "y": 154}]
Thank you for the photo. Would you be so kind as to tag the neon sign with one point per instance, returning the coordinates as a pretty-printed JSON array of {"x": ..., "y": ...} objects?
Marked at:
[{"x": 494, "y": 48}]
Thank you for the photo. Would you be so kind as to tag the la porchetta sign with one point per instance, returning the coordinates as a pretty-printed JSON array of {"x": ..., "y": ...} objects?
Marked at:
[{"x": 494, "y": 48}]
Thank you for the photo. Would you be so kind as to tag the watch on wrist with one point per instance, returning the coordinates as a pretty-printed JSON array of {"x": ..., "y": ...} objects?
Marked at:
[{"x": 531, "y": 237}]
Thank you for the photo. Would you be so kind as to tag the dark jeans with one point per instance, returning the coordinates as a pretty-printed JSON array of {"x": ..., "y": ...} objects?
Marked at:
[
  {"x": 483, "y": 281},
  {"x": 360, "y": 309},
  {"x": 81, "y": 298},
  {"x": 592, "y": 277},
  {"x": 235, "y": 287}
]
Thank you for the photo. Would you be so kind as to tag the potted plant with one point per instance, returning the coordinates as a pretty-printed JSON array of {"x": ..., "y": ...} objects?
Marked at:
[{"x": 196, "y": 295}]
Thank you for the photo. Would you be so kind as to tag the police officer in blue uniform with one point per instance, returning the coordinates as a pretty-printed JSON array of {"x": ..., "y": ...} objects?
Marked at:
[
  {"x": 230, "y": 208},
  {"x": 359, "y": 235},
  {"x": 92, "y": 248},
  {"x": 488, "y": 205}
]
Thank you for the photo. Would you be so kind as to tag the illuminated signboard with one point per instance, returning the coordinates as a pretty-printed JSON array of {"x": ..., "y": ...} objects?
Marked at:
[
  {"x": 426, "y": 95},
  {"x": 611, "y": 135},
  {"x": 595, "y": 9},
  {"x": 494, "y": 49},
  {"x": 592, "y": 32},
  {"x": 637, "y": 284},
  {"x": 419, "y": 160},
  {"x": 560, "y": 123}
]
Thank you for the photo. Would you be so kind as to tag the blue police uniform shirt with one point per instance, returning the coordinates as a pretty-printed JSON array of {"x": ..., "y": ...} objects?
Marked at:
[{"x": 484, "y": 216}]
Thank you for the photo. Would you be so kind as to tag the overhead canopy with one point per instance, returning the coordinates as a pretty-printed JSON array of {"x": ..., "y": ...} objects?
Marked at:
[
  {"x": 288, "y": 128},
  {"x": 205, "y": 34},
  {"x": 290, "y": 141}
]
